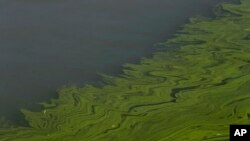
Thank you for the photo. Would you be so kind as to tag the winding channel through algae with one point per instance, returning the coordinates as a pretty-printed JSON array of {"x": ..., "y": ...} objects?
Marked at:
[{"x": 189, "y": 94}]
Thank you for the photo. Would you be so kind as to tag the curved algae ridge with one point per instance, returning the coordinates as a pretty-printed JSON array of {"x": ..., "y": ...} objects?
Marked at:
[{"x": 189, "y": 94}]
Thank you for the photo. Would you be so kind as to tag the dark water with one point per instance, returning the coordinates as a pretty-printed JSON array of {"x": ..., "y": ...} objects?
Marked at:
[{"x": 45, "y": 44}]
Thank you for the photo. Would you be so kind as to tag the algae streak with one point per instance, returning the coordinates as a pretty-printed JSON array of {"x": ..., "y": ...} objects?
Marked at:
[{"x": 191, "y": 94}]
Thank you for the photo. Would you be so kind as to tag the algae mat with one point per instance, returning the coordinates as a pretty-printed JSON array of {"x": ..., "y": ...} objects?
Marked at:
[{"x": 189, "y": 94}]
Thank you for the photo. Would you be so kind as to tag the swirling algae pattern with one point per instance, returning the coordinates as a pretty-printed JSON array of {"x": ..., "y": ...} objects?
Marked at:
[{"x": 191, "y": 93}]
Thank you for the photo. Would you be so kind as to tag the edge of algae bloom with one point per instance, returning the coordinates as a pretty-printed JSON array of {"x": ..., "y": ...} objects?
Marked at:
[{"x": 190, "y": 94}]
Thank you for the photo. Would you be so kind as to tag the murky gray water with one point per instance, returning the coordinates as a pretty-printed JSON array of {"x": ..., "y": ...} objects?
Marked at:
[{"x": 45, "y": 44}]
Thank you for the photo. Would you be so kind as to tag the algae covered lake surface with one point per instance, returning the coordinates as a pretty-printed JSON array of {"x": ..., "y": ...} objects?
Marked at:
[
  {"x": 45, "y": 44},
  {"x": 190, "y": 93}
]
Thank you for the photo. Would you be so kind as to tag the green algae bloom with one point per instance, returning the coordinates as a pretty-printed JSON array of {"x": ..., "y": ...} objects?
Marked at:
[{"x": 191, "y": 93}]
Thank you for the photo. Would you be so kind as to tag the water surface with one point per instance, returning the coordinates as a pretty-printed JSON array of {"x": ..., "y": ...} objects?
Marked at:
[{"x": 45, "y": 44}]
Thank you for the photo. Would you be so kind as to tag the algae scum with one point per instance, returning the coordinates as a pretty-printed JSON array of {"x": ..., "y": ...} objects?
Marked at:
[
  {"x": 189, "y": 94},
  {"x": 45, "y": 44}
]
